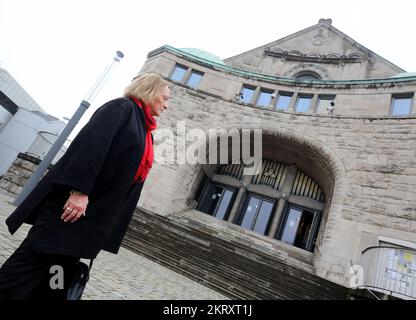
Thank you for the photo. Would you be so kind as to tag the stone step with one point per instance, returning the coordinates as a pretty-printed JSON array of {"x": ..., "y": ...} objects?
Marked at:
[
  {"x": 230, "y": 264},
  {"x": 225, "y": 266}
]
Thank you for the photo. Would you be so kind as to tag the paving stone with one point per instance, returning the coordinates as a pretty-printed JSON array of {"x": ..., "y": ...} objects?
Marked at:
[{"x": 125, "y": 276}]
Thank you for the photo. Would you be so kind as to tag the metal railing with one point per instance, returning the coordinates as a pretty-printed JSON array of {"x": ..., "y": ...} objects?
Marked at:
[
  {"x": 390, "y": 270},
  {"x": 43, "y": 143}
]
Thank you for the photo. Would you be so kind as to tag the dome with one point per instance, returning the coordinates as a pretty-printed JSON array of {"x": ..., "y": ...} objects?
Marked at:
[
  {"x": 405, "y": 75},
  {"x": 203, "y": 54}
]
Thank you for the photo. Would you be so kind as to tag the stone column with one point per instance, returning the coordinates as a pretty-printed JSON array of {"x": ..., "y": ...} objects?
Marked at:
[
  {"x": 278, "y": 212},
  {"x": 292, "y": 103},
  {"x": 239, "y": 197},
  {"x": 286, "y": 189},
  {"x": 236, "y": 204},
  {"x": 255, "y": 96},
  {"x": 186, "y": 76},
  {"x": 313, "y": 106}
]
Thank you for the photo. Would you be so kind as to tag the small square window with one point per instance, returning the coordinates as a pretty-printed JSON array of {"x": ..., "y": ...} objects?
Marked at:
[
  {"x": 303, "y": 103},
  {"x": 283, "y": 101},
  {"x": 401, "y": 105},
  {"x": 194, "y": 79},
  {"x": 247, "y": 94},
  {"x": 265, "y": 97},
  {"x": 178, "y": 73},
  {"x": 324, "y": 104}
]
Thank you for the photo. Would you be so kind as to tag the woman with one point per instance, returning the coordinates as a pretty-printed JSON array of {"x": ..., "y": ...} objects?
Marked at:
[{"x": 86, "y": 201}]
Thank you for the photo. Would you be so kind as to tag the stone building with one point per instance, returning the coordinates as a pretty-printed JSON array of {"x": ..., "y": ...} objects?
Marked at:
[
  {"x": 332, "y": 203},
  {"x": 337, "y": 178}
]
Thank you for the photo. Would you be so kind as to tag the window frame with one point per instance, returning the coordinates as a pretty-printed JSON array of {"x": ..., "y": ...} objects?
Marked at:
[
  {"x": 300, "y": 96},
  {"x": 177, "y": 65},
  {"x": 285, "y": 94},
  {"x": 265, "y": 90},
  {"x": 323, "y": 97},
  {"x": 315, "y": 226},
  {"x": 238, "y": 220},
  {"x": 207, "y": 192},
  {"x": 407, "y": 95},
  {"x": 247, "y": 86},
  {"x": 194, "y": 71}
]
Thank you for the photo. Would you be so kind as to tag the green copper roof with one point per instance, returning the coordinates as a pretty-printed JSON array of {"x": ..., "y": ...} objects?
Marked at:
[
  {"x": 405, "y": 75},
  {"x": 220, "y": 65},
  {"x": 203, "y": 54}
]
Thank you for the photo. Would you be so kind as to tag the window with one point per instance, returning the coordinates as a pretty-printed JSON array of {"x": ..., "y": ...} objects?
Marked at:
[
  {"x": 247, "y": 94},
  {"x": 303, "y": 103},
  {"x": 194, "y": 79},
  {"x": 307, "y": 75},
  {"x": 265, "y": 97},
  {"x": 283, "y": 101},
  {"x": 402, "y": 105},
  {"x": 178, "y": 73},
  {"x": 256, "y": 214},
  {"x": 216, "y": 200},
  {"x": 324, "y": 102},
  {"x": 299, "y": 228}
]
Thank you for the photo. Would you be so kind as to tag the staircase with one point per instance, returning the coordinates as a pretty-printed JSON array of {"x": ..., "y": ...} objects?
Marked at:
[{"x": 219, "y": 256}]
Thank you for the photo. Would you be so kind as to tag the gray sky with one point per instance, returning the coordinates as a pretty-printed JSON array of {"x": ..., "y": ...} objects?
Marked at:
[{"x": 57, "y": 49}]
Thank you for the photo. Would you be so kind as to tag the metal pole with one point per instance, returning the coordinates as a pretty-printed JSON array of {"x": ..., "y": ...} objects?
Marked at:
[{"x": 40, "y": 170}]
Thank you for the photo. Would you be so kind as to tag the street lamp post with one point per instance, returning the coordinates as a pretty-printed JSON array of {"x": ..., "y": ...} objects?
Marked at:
[{"x": 37, "y": 175}]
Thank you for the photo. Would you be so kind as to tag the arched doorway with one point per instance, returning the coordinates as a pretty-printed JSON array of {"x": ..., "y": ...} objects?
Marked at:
[
  {"x": 280, "y": 201},
  {"x": 289, "y": 200}
]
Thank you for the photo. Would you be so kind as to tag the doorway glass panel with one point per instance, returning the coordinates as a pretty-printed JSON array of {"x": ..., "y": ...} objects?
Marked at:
[
  {"x": 250, "y": 213},
  {"x": 216, "y": 200},
  {"x": 299, "y": 228},
  {"x": 263, "y": 217},
  {"x": 291, "y": 226},
  {"x": 256, "y": 214},
  {"x": 223, "y": 205}
]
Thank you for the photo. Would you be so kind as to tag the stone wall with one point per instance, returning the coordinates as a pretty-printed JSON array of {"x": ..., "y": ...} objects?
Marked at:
[{"x": 17, "y": 175}]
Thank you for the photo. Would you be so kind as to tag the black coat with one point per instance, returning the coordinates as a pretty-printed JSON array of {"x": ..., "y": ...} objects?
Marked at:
[{"x": 101, "y": 162}]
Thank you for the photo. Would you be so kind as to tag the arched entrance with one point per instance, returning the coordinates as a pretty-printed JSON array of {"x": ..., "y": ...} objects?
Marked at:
[{"x": 291, "y": 198}]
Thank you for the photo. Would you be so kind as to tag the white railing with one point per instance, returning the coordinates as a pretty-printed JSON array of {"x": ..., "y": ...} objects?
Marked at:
[
  {"x": 43, "y": 143},
  {"x": 390, "y": 270}
]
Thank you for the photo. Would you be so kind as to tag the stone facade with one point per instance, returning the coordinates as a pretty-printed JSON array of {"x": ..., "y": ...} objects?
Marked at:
[{"x": 361, "y": 155}]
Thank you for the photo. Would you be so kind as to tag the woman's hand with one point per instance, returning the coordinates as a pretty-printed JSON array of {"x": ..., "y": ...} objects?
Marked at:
[{"x": 75, "y": 207}]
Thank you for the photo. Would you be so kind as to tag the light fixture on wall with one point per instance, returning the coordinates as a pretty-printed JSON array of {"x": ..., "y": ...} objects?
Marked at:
[
  {"x": 239, "y": 96},
  {"x": 331, "y": 108}
]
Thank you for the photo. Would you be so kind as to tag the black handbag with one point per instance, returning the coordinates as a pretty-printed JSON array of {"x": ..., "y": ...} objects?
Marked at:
[{"x": 78, "y": 283}]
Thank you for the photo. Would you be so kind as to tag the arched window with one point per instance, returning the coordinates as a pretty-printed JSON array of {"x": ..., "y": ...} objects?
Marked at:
[{"x": 307, "y": 75}]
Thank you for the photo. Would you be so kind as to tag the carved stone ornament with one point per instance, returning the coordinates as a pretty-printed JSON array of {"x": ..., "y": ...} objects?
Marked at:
[{"x": 319, "y": 39}]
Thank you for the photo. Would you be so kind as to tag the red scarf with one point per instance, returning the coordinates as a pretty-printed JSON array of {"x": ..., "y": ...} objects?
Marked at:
[{"x": 148, "y": 155}]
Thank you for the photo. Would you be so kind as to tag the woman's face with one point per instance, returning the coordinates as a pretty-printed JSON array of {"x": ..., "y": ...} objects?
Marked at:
[{"x": 159, "y": 103}]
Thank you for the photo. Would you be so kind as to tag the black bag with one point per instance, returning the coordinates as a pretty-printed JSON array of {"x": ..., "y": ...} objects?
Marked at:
[{"x": 78, "y": 283}]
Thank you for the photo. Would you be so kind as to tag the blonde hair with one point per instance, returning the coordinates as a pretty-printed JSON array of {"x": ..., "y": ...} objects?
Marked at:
[{"x": 145, "y": 87}]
